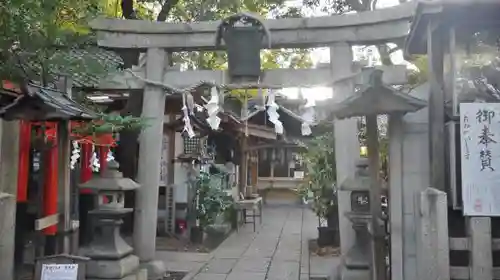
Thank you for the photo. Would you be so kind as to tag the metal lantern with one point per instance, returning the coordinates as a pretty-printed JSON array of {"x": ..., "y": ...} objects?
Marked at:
[{"x": 243, "y": 42}]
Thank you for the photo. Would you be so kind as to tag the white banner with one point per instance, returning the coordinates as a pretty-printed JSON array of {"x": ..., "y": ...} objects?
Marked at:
[
  {"x": 164, "y": 161},
  {"x": 480, "y": 149}
]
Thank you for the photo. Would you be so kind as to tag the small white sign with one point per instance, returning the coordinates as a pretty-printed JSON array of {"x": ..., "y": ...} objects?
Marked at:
[
  {"x": 480, "y": 158},
  {"x": 298, "y": 174},
  {"x": 59, "y": 272},
  {"x": 164, "y": 161}
]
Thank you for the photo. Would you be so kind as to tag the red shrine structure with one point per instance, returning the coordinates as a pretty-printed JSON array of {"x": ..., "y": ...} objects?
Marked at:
[{"x": 41, "y": 112}]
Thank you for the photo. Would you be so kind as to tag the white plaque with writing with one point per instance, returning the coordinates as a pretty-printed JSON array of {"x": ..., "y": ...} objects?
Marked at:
[
  {"x": 298, "y": 174},
  {"x": 164, "y": 161},
  {"x": 59, "y": 272},
  {"x": 480, "y": 159}
]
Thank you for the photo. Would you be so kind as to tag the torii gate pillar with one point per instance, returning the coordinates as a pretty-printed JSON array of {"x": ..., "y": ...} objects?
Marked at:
[
  {"x": 148, "y": 173},
  {"x": 346, "y": 137}
]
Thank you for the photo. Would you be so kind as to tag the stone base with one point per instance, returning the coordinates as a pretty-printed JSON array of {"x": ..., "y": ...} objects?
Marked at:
[
  {"x": 354, "y": 274},
  {"x": 113, "y": 269},
  {"x": 156, "y": 269},
  {"x": 130, "y": 277}
]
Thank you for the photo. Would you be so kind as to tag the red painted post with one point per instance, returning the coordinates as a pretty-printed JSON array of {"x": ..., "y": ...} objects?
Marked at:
[
  {"x": 24, "y": 158},
  {"x": 51, "y": 192},
  {"x": 85, "y": 170},
  {"x": 103, "y": 163},
  {"x": 103, "y": 156}
]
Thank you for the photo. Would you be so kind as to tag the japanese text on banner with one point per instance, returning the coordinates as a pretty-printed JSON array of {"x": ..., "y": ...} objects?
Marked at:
[{"x": 480, "y": 133}]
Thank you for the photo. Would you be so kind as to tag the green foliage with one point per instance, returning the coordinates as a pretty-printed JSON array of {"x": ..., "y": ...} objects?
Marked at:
[
  {"x": 383, "y": 144},
  {"x": 421, "y": 74},
  {"x": 36, "y": 37},
  {"x": 110, "y": 123},
  {"x": 204, "y": 10},
  {"x": 38, "y": 42},
  {"x": 211, "y": 201},
  {"x": 320, "y": 174},
  {"x": 330, "y": 7}
]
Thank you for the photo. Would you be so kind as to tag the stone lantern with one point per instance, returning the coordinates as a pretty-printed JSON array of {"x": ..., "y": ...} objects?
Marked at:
[
  {"x": 243, "y": 34},
  {"x": 110, "y": 256},
  {"x": 372, "y": 100},
  {"x": 357, "y": 259}
]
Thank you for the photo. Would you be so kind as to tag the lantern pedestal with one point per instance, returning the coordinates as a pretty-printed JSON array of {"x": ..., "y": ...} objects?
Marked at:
[
  {"x": 358, "y": 256},
  {"x": 111, "y": 257}
]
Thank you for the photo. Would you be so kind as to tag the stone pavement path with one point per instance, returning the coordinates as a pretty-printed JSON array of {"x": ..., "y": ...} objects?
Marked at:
[{"x": 276, "y": 251}]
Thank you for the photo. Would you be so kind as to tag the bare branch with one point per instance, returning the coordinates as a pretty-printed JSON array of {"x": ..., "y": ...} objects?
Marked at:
[{"x": 165, "y": 9}]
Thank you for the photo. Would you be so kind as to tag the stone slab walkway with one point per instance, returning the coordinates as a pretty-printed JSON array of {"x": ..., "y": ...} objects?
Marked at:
[{"x": 278, "y": 250}]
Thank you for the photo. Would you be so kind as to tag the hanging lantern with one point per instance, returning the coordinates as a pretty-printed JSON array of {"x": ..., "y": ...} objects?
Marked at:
[{"x": 243, "y": 35}]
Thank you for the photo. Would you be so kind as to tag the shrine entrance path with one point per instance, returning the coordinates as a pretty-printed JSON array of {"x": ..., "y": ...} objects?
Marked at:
[{"x": 277, "y": 250}]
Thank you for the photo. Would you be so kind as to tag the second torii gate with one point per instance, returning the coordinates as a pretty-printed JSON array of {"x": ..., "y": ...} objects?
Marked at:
[{"x": 339, "y": 33}]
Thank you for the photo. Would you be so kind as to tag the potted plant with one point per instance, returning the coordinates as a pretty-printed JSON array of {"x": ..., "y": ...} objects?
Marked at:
[
  {"x": 211, "y": 201},
  {"x": 231, "y": 214},
  {"x": 319, "y": 189}
]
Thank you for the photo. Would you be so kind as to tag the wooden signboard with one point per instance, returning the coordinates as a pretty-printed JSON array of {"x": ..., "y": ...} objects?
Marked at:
[{"x": 60, "y": 267}]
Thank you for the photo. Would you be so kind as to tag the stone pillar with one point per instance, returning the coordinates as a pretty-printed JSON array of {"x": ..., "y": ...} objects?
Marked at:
[
  {"x": 148, "y": 175},
  {"x": 346, "y": 139},
  {"x": 8, "y": 224},
  {"x": 396, "y": 138},
  {"x": 8, "y": 189}
]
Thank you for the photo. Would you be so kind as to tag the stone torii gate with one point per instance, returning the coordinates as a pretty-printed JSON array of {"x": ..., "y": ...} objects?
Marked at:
[{"x": 339, "y": 33}]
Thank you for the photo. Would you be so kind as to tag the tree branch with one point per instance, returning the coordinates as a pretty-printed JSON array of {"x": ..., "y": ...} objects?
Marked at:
[
  {"x": 128, "y": 9},
  {"x": 355, "y": 5},
  {"x": 165, "y": 9}
]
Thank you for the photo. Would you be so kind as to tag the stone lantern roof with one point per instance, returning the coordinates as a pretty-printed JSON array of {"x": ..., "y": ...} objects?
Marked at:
[
  {"x": 377, "y": 99},
  {"x": 111, "y": 180}
]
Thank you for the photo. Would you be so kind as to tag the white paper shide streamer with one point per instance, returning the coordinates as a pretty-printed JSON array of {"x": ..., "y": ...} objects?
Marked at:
[
  {"x": 94, "y": 161},
  {"x": 75, "y": 154},
  {"x": 188, "y": 128},
  {"x": 308, "y": 115},
  {"x": 213, "y": 109},
  {"x": 272, "y": 113},
  {"x": 110, "y": 156}
]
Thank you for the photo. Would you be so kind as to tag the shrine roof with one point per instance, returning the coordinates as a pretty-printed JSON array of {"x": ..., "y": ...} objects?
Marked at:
[
  {"x": 89, "y": 80},
  {"x": 450, "y": 12},
  {"x": 292, "y": 122},
  {"x": 86, "y": 78},
  {"x": 44, "y": 104}
]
